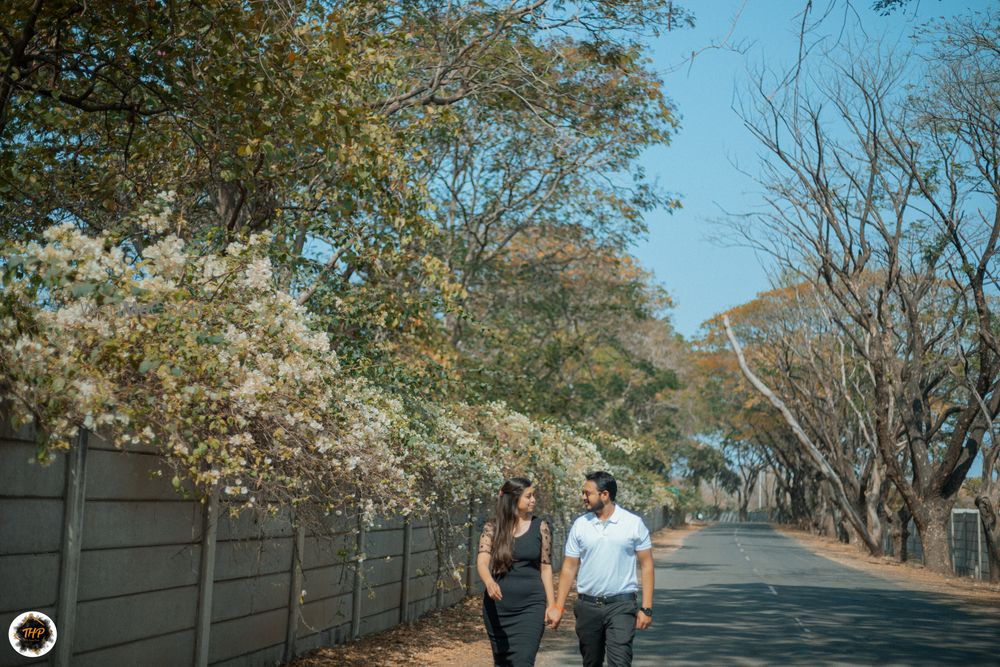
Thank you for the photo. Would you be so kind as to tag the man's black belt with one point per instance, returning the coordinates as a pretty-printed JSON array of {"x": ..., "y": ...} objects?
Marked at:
[{"x": 606, "y": 599}]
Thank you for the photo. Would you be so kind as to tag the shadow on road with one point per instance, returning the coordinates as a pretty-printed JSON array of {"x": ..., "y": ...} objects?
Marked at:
[
  {"x": 694, "y": 566},
  {"x": 747, "y": 595},
  {"x": 814, "y": 612},
  {"x": 735, "y": 624}
]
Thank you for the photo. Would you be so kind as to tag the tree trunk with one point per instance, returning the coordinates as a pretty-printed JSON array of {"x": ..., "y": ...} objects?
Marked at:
[
  {"x": 932, "y": 526},
  {"x": 896, "y": 535},
  {"x": 744, "y": 503},
  {"x": 828, "y": 525},
  {"x": 874, "y": 523},
  {"x": 798, "y": 503},
  {"x": 991, "y": 532},
  {"x": 901, "y": 533},
  {"x": 874, "y": 493},
  {"x": 846, "y": 532},
  {"x": 746, "y": 493}
]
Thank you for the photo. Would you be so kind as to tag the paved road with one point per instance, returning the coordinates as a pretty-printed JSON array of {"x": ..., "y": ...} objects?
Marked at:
[{"x": 743, "y": 594}]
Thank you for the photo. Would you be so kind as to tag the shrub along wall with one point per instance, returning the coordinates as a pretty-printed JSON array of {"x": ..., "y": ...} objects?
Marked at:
[{"x": 132, "y": 573}]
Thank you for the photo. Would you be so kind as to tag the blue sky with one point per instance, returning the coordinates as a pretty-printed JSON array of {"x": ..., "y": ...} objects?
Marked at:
[{"x": 706, "y": 276}]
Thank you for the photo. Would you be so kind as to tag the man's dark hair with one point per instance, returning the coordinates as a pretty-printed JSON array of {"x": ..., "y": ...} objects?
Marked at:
[{"x": 605, "y": 481}]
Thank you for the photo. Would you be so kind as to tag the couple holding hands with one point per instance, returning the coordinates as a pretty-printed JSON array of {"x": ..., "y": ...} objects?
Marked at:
[{"x": 515, "y": 563}]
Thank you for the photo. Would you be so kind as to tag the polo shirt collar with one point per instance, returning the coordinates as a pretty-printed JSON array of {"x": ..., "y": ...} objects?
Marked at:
[{"x": 614, "y": 518}]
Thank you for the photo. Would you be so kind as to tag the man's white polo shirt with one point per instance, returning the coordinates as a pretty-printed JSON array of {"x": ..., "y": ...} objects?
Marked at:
[{"x": 607, "y": 551}]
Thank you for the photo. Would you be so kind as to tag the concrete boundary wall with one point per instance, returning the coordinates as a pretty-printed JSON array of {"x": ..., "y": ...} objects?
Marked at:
[{"x": 131, "y": 573}]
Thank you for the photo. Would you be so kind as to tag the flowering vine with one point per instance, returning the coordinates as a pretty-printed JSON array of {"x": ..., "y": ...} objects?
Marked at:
[{"x": 202, "y": 356}]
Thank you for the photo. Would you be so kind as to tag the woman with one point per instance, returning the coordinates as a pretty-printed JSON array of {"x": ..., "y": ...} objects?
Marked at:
[{"x": 515, "y": 563}]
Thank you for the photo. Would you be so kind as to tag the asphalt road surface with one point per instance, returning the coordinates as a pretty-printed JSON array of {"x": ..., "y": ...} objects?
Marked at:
[{"x": 744, "y": 594}]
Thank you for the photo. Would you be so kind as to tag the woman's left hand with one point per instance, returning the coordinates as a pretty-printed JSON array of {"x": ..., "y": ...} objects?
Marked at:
[{"x": 493, "y": 590}]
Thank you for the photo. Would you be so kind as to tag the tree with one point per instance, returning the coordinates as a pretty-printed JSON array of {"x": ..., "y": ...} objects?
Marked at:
[
  {"x": 538, "y": 197},
  {"x": 313, "y": 131},
  {"x": 961, "y": 106},
  {"x": 822, "y": 453},
  {"x": 879, "y": 210},
  {"x": 570, "y": 330},
  {"x": 300, "y": 118}
]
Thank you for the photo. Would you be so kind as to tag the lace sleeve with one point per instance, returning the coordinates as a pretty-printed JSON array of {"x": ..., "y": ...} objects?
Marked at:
[
  {"x": 546, "y": 543},
  {"x": 486, "y": 539}
]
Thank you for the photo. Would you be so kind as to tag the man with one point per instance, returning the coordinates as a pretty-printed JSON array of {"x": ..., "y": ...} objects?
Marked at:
[{"x": 602, "y": 548}]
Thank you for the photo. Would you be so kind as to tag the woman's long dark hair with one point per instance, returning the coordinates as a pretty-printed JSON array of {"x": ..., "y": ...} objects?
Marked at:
[{"x": 504, "y": 522}]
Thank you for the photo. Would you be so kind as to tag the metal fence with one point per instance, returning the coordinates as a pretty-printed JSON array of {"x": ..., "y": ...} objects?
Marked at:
[
  {"x": 969, "y": 556},
  {"x": 131, "y": 573}
]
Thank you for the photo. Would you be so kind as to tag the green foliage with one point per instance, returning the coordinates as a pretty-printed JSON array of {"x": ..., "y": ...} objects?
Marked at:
[{"x": 327, "y": 133}]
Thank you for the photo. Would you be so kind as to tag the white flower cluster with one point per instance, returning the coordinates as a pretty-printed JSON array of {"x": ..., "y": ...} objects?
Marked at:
[
  {"x": 156, "y": 220},
  {"x": 470, "y": 449},
  {"x": 244, "y": 387},
  {"x": 166, "y": 258},
  {"x": 205, "y": 358}
]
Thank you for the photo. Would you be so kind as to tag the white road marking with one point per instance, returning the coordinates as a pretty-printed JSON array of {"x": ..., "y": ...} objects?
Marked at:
[
  {"x": 747, "y": 557},
  {"x": 772, "y": 589}
]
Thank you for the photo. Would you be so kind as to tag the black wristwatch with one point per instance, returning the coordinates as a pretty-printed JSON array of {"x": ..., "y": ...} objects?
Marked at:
[{"x": 648, "y": 611}]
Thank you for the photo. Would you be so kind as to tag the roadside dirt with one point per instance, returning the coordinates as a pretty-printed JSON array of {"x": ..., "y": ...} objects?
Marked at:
[
  {"x": 454, "y": 637},
  {"x": 977, "y": 594}
]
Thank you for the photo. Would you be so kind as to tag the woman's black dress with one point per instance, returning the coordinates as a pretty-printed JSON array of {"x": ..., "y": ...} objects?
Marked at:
[{"x": 515, "y": 624}]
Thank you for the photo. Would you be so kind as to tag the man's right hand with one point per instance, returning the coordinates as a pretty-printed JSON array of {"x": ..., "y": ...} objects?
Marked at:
[
  {"x": 552, "y": 617},
  {"x": 493, "y": 590}
]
